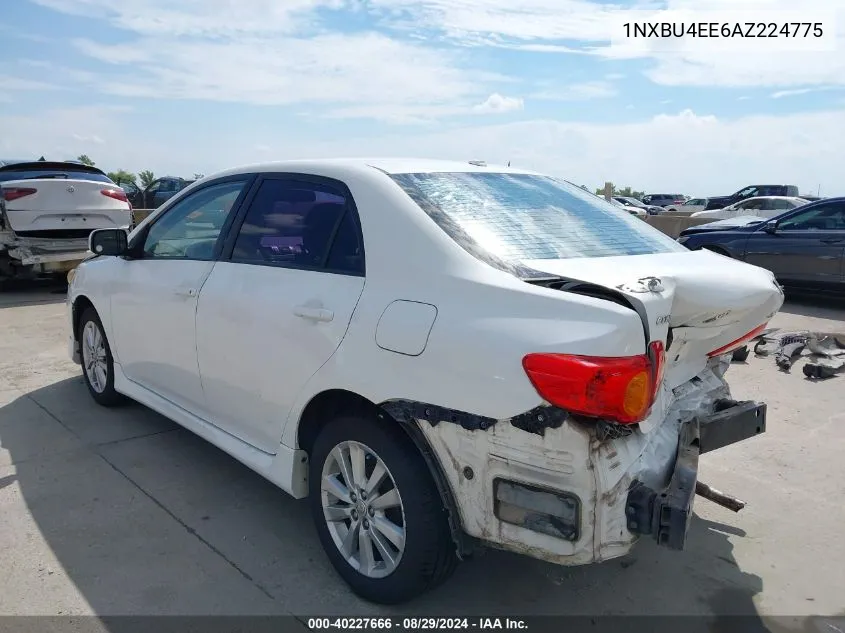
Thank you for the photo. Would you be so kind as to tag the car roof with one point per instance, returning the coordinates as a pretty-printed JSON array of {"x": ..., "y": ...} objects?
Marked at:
[
  {"x": 771, "y": 198},
  {"x": 368, "y": 165}
]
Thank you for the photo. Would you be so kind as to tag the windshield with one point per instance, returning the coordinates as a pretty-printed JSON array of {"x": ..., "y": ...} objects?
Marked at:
[
  {"x": 521, "y": 217},
  {"x": 633, "y": 202}
]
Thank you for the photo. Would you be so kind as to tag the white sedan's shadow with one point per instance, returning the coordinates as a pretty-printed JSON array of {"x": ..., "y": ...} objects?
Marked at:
[{"x": 146, "y": 518}]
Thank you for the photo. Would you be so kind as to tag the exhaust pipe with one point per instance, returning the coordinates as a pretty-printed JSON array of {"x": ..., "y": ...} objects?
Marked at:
[{"x": 719, "y": 497}]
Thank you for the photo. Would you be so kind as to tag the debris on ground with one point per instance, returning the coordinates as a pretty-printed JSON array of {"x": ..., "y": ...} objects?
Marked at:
[{"x": 823, "y": 352}]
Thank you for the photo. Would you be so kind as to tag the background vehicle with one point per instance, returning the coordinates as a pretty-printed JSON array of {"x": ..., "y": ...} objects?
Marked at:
[
  {"x": 639, "y": 211},
  {"x": 157, "y": 193},
  {"x": 753, "y": 191},
  {"x": 804, "y": 247},
  {"x": 663, "y": 199},
  {"x": 691, "y": 206},
  {"x": 283, "y": 320},
  {"x": 633, "y": 202},
  {"x": 762, "y": 207},
  {"x": 47, "y": 211}
]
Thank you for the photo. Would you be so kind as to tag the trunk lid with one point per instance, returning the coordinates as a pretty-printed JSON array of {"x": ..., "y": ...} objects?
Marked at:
[
  {"x": 693, "y": 302},
  {"x": 64, "y": 207}
]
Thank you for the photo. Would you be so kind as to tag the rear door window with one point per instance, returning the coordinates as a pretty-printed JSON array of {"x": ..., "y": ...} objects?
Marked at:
[
  {"x": 297, "y": 224},
  {"x": 521, "y": 217}
]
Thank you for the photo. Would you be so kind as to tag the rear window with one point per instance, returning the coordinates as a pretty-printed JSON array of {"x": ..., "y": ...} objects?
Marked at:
[
  {"x": 521, "y": 217},
  {"x": 26, "y": 174}
]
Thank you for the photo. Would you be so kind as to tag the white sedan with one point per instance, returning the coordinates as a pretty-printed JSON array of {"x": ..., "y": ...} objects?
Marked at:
[
  {"x": 440, "y": 356},
  {"x": 759, "y": 207},
  {"x": 693, "y": 205}
]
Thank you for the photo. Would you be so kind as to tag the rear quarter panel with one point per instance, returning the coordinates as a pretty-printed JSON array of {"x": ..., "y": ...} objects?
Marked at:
[{"x": 472, "y": 360}]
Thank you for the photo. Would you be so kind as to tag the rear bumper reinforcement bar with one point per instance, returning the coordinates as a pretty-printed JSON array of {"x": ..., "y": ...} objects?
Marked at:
[{"x": 666, "y": 514}]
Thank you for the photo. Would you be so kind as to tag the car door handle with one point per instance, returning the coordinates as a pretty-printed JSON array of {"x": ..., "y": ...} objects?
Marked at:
[
  {"x": 187, "y": 292},
  {"x": 314, "y": 314},
  {"x": 832, "y": 240}
]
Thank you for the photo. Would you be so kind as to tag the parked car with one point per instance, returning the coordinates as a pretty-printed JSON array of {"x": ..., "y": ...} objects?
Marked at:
[
  {"x": 133, "y": 193},
  {"x": 156, "y": 193},
  {"x": 763, "y": 207},
  {"x": 693, "y": 205},
  {"x": 439, "y": 356},
  {"x": 47, "y": 211},
  {"x": 634, "y": 203},
  {"x": 633, "y": 210},
  {"x": 663, "y": 199},
  {"x": 753, "y": 191},
  {"x": 804, "y": 247}
]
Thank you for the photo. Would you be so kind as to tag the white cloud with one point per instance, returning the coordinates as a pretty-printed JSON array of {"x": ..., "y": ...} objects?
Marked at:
[
  {"x": 348, "y": 73},
  {"x": 564, "y": 25},
  {"x": 693, "y": 153},
  {"x": 63, "y": 133},
  {"x": 88, "y": 139},
  {"x": 803, "y": 91},
  {"x": 271, "y": 52},
  {"x": 10, "y": 83},
  {"x": 579, "y": 92},
  {"x": 497, "y": 104},
  {"x": 212, "y": 18}
]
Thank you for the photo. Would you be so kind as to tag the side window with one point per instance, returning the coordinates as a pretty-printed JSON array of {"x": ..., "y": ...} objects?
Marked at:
[
  {"x": 830, "y": 217},
  {"x": 781, "y": 205},
  {"x": 300, "y": 224},
  {"x": 168, "y": 186},
  {"x": 751, "y": 204},
  {"x": 190, "y": 228}
]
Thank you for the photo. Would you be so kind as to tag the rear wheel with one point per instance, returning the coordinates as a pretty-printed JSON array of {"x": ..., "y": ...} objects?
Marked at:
[
  {"x": 377, "y": 510},
  {"x": 97, "y": 361}
]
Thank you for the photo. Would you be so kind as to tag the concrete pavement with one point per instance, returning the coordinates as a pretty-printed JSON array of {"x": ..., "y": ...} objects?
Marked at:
[{"x": 121, "y": 512}]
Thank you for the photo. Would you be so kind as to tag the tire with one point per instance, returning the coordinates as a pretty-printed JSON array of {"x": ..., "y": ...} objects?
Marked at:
[
  {"x": 428, "y": 557},
  {"x": 100, "y": 382},
  {"x": 741, "y": 355}
]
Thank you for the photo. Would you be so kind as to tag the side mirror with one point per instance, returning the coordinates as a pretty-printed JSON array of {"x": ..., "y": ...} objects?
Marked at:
[
  {"x": 108, "y": 242},
  {"x": 771, "y": 228}
]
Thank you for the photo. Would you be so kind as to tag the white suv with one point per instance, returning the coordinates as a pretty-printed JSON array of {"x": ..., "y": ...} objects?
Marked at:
[{"x": 439, "y": 355}]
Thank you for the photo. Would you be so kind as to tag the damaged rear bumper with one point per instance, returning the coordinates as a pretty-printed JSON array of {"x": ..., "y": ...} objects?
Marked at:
[
  {"x": 53, "y": 254},
  {"x": 665, "y": 514}
]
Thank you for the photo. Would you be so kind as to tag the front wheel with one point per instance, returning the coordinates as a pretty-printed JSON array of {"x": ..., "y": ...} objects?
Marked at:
[
  {"x": 377, "y": 510},
  {"x": 97, "y": 360}
]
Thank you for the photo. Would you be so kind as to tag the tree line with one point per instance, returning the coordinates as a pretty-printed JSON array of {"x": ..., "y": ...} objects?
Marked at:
[
  {"x": 146, "y": 177},
  {"x": 142, "y": 179}
]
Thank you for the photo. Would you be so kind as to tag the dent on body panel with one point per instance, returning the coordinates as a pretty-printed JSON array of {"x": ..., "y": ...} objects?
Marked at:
[{"x": 404, "y": 327}]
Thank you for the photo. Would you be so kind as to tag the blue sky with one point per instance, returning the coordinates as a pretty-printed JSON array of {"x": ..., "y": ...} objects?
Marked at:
[{"x": 184, "y": 86}]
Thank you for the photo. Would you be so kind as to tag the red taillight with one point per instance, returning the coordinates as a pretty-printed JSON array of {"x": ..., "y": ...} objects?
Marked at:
[
  {"x": 117, "y": 194},
  {"x": 13, "y": 193},
  {"x": 658, "y": 362},
  {"x": 619, "y": 388},
  {"x": 742, "y": 340}
]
